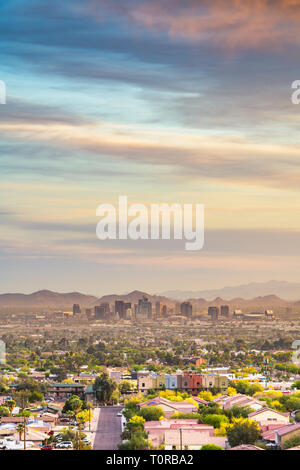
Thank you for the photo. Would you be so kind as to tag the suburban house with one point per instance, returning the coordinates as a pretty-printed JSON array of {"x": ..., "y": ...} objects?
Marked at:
[
  {"x": 267, "y": 416},
  {"x": 242, "y": 400},
  {"x": 200, "y": 401},
  {"x": 170, "y": 407},
  {"x": 245, "y": 447},
  {"x": 285, "y": 433},
  {"x": 191, "y": 439},
  {"x": 156, "y": 429},
  {"x": 269, "y": 433},
  {"x": 220, "y": 400}
]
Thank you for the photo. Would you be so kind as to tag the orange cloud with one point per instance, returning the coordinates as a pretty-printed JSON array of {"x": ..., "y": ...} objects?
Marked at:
[
  {"x": 239, "y": 24},
  {"x": 234, "y": 25}
]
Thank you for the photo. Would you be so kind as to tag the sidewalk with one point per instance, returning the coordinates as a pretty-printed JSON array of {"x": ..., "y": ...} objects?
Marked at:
[{"x": 94, "y": 423}]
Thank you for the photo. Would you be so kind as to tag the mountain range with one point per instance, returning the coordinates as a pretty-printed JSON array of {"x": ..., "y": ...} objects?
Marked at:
[
  {"x": 270, "y": 294},
  {"x": 285, "y": 290}
]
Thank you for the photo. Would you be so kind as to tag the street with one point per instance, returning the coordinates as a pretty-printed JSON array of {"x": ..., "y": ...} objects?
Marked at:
[{"x": 108, "y": 429}]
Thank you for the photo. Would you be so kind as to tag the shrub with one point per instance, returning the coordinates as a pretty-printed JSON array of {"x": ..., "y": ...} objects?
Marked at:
[{"x": 211, "y": 447}]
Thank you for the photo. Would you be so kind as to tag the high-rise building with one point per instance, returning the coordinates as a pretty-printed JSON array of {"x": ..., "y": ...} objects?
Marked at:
[
  {"x": 177, "y": 308},
  {"x": 143, "y": 311},
  {"x": 214, "y": 313},
  {"x": 99, "y": 312},
  {"x": 76, "y": 309},
  {"x": 158, "y": 308},
  {"x": 186, "y": 309},
  {"x": 121, "y": 308},
  {"x": 164, "y": 310},
  {"x": 102, "y": 311},
  {"x": 225, "y": 311}
]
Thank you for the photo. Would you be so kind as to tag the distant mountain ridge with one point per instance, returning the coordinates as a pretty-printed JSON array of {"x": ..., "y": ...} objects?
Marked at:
[
  {"x": 286, "y": 290},
  {"x": 49, "y": 299},
  {"x": 133, "y": 297},
  {"x": 44, "y": 299}
]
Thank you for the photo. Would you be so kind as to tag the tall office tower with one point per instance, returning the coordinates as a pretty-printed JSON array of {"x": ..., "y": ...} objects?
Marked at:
[
  {"x": 164, "y": 311},
  {"x": 99, "y": 312},
  {"x": 177, "y": 308},
  {"x": 225, "y": 311},
  {"x": 119, "y": 309},
  {"x": 214, "y": 313},
  {"x": 76, "y": 309},
  {"x": 144, "y": 309},
  {"x": 158, "y": 308},
  {"x": 186, "y": 309}
]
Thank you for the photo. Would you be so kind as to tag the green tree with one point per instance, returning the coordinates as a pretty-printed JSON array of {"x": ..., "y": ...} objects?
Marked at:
[
  {"x": 104, "y": 387},
  {"x": 292, "y": 442},
  {"x": 152, "y": 413},
  {"x": 243, "y": 431},
  {"x": 133, "y": 425},
  {"x": 137, "y": 442},
  {"x": 211, "y": 447},
  {"x": 297, "y": 384},
  {"x": 4, "y": 411},
  {"x": 36, "y": 397},
  {"x": 73, "y": 404},
  {"x": 125, "y": 387},
  {"x": 215, "y": 420}
]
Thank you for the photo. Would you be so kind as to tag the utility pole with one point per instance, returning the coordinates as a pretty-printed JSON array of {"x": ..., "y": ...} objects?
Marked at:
[
  {"x": 180, "y": 430},
  {"x": 24, "y": 421},
  {"x": 79, "y": 436}
]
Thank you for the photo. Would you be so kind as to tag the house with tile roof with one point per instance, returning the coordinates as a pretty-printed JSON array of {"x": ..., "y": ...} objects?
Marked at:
[
  {"x": 266, "y": 416},
  {"x": 170, "y": 407},
  {"x": 243, "y": 401},
  {"x": 191, "y": 439},
  {"x": 156, "y": 429},
  {"x": 283, "y": 434},
  {"x": 245, "y": 447}
]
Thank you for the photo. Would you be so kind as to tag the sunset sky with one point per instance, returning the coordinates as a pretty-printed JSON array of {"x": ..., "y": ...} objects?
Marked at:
[{"x": 162, "y": 101}]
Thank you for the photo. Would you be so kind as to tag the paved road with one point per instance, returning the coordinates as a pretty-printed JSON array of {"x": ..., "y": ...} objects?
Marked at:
[{"x": 109, "y": 429}]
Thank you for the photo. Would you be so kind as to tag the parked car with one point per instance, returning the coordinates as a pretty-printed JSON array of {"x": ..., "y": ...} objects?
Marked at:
[
  {"x": 47, "y": 447},
  {"x": 64, "y": 420},
  {"x": 64, "y": 445},
  {"x": 120, "y": 413}
]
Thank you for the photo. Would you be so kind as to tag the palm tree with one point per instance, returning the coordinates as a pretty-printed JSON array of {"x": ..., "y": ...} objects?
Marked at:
[
  {"x": 20, "y": 430},
  {"x": 10, "y": 404}
]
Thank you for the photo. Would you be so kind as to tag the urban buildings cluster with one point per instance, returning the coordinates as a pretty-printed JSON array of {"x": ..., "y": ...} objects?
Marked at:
[{"x": 144, "y": 310}]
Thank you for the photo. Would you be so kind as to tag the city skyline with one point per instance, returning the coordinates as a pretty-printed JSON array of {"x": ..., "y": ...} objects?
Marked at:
[{"x": 163, "y": 103}]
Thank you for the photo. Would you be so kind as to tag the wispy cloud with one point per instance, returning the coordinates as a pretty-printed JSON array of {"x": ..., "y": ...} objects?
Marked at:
[{"x": 235, "y": 25}]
